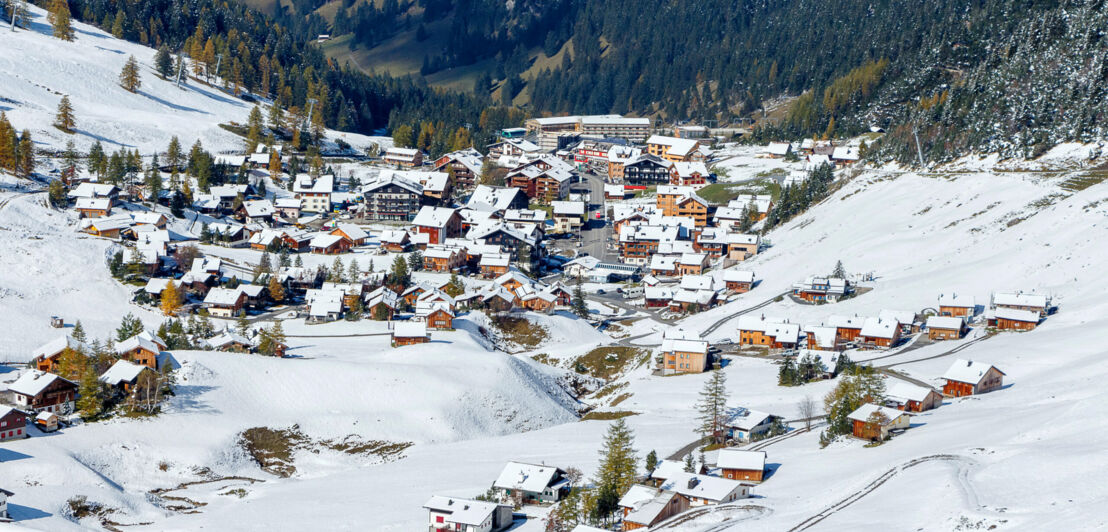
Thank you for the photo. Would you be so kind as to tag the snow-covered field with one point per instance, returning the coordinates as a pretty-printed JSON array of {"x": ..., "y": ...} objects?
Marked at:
[{"x": 1027, "y": 457}]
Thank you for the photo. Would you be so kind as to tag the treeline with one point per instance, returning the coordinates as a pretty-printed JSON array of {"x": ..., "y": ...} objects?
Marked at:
[{"x": 250, "y": 50}]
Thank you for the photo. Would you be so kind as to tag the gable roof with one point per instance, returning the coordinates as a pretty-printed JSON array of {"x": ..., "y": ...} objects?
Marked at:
[
  {"x": 702, "y": 487},
  {"x": 526, "y": 477},
  {"x": 433, "y": 216},
  {"x": 865, "y": 411},
  {"x": 409, "y": 329},
  {"x": 1028, "y": 316},
  {"x": 390, "y": 177},
  {"x": 955, "y": 299},
  {"x": 462, "y": 511},
  {"x": 879, "y": 328},
  {"x": 968, "y": 371},
  {"x": 34, "y": 382},
  {"x": 1021, "y": 299},
  {"x": 123, "y": 371},
  {"x": 56, "y": 346},
  {"x": 730, "y": 458},
  {"x": 746, "y": 419},
  {"x": 945, "y": 322},
  {"x": 908, "y": 391}
]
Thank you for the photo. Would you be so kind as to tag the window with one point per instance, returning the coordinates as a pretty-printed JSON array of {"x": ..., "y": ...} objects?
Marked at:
[{"x": 438, "y": 519}]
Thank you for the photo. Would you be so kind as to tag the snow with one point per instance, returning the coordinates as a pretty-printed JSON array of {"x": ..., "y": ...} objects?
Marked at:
[{"x": 468, "y": 408}]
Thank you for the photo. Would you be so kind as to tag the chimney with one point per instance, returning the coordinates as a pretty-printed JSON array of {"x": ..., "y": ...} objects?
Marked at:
[
  {"x": 693, "y": 481},
  {"x": 450, "y": 502}
]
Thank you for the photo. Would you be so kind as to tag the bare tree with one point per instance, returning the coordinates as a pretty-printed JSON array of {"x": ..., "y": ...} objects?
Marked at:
[{"x": 807, "y": 409}]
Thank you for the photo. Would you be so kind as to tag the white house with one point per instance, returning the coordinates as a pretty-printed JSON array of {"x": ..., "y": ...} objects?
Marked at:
[
  {"x": 532, "y": 483},
  {"x": 464, "y": 515},
  {"x": 702, "y": 490}
]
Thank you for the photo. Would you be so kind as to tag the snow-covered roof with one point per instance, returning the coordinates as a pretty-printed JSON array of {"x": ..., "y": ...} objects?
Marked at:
[
  {"x": 701, "y": 486},
  {"x": 778, "y": 148},
  {"x": 907, "y": 391},
  {"x": 1028, "y": 316},
  {"x": 696, "y": 282},
  {"x": 1021, "y": 299},
  {"x": 56, "y": 346},
  {"x": 739, "y": 459},
  {"x": 222, "y": 296},
  {"x": 526, "y": 477},
  {"x": 676, "y": 146},
  {"x": 945, "y": 322},
  {"x": 957, "y": 300},
  {"x": 745, "y": 419},
  {"x": 304, "y": 184},
  {"x": 391, "y": 177},
  {"x": 684, "y": 346},
  {"x": 637, "y": 494},
  {"x": 824, "y": 337},
  {"x": 880, "y": 328},
  {"x": 433, "y": 216},
  {"x": 34, "y": 382},
  {"x": 393, "y": 236},
  {"x": 259, "y": 208},
  {"x": 664, "y": 263},
  {"x": 92, "y": 190},
  {"x": 968, "y": 371},
  {"x": 227, "y": 338},
  {"x": 123, "y": 371},
  {"x": 352, "y": 231},
  {"x": 462, "y": 511},
  {"x": 738, "y": 276},
  {"x": 325, "y": 240},
  {"x": 143, "y": 340},
  {"x": 409, "y": 329},
  {"x": 845, "y": 153},
  {"x": 667, "y": 468},
  {"x": 865, "y": 411},
  {"x": 660, "y": 292},
  {"x": 97, "y": 204},
  {"x": 323, "y": 307},
  {"x": 486, "y": 198},
  {"x": 568, "y": 208},
  {"x": 688, "y": 169},
  {"x": 846, "y": 322},
  {"x": 903, "y": 317}
]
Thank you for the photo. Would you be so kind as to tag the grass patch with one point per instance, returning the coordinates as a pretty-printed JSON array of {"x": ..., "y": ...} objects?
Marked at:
[
  {"x": 1085, "y": 180},
  {"x": 609, "y": 390},
  {"x": 651, "y": 190},
  {"x": 610, "y": 361},
  {"x": 272, "y": 448},
  {"x": 521, "y": 331},
  {"x": 720, "y": 193},
  {"x": 622, "y": 397},
  {"x": 237, "y": 492},
  {"x": 607, "y": 416}
]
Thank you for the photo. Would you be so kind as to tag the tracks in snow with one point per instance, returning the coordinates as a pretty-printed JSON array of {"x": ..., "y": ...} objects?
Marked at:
[{"x": 854, "y": 497}]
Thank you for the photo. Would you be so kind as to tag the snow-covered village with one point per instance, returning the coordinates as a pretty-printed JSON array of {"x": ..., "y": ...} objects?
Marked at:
[{"x": 249, "y": 283}]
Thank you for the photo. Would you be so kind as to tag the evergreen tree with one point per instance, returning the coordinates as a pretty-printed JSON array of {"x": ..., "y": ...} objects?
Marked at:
[
  {"x": 455, "y": 287},
  {"x": 79, "y": 332},
  {"x": 71, "y": 161},
  {"x": 153, "y": 180},
  {"x": 580, "y": 307},
  {"x": 26, "y": 153},
  {"x": 690, "y": 466},
  {"x": 839, "y": 272},
  {"x": 63, "y": 120},
  {"x": 618, "y": 463},
  {"x": 353, "y": 272},
  {"x": 163, "y": 62},
  {"x": 242, "y": 324},
  {"x": 400, "y": 275},
  {"x": 9, "y": 145},
  {"x": 129, "y": 77},
  {"x": 415, "y": 261},
  {"x": 177, "y": 205},
  {"x": 90, "y": 395},
  {"x": 651, "y": 461},
  {"x": 786, "y": 373},
  {"x": 60, "y": 17},
  {"x": 712, "y": 407},
  {"x": 129, "y": 326},
  {"x": 57, "y": 194},
  {"x": 96, "y": 159},
  {"x": 853, "y": 391}
]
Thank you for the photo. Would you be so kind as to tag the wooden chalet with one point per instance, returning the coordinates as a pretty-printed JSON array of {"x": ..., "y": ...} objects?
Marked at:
[
  {"x": 225, "y": 302},
  {"x": 143, "y": 349},
  {"x": 123, "y": 376},
  {"x": 643, "y": 507},
  {"x": 958, "y": 305},
  {"x": 395, "y": 240},
  {"x": 13, "y": 425},
  {"x": 330, "y": 244},
  {"x": 911, "y": 398},
  {"x": 356, "y": 235},
  {"x": 874, "y": 422},
  {"x": 38, "y": 391},
  {"x": 1011, "y": 319},
  {"x": 738, "y": 281},
  {"x": 945, "y": 327},
  {"x": 409, "y": 333},
  {"x": 880, "y": 333},
  {"x": 737, "y": 464},
  {"x": 46, "y": 357},
  {"x": 438, "y": 223},
  {"x": 966, "y": 377}
]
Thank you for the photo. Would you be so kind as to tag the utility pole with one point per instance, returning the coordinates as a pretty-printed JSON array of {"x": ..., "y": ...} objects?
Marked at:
[
  {"x": 919, "y": 151},
  {"x": 15, "y": 9}
]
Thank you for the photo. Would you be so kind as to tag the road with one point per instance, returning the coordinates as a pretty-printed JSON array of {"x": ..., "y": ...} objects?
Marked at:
[
  {"x": 719, "y": 323},
  {"x": 594, "y": 236}
]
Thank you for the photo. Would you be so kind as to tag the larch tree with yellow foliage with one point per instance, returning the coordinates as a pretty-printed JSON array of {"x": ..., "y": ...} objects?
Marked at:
[
  {"x": 60, "y": 17},
  {"x": 171, "y": 300}
]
